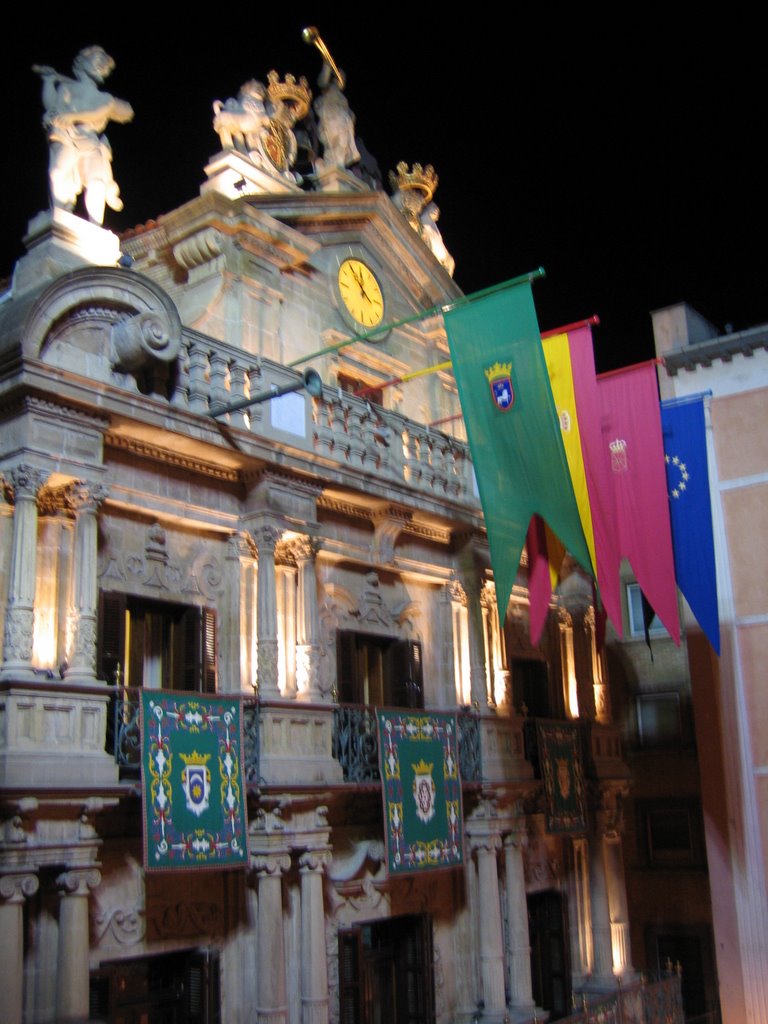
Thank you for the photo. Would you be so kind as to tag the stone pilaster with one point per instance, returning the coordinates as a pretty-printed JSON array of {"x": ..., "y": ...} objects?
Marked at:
[
  {"x": 266, "y": 538},
  {"x": 471, "y": 581},
  {"x": 86, "y": 499},
  {"x": 489, "y": 926},
  {"x": 72, "y": 962},
  {"x": 520, "y": 988},
  {"x": 307, "y": 621},
  {"x": 14, "y": 889},
  {"x": 608, "y": 893},
  {"x": 314, "y": 957},
  {"x": 272, "y": 1006},
  {"x": 26, "y": 481}
]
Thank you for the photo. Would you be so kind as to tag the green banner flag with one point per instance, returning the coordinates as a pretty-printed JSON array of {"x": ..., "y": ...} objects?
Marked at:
[
  {"x": 512, "y": 425},
  {"x": 192, "y": 781},
  {"x": 421, "y": 786}
]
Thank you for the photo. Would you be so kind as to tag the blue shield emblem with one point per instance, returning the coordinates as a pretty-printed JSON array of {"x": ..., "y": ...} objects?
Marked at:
[{"x": 503, "y": 393}]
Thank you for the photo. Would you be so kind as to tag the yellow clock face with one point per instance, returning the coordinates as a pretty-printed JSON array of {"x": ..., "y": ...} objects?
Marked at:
[{"x": 361, "y": 293}]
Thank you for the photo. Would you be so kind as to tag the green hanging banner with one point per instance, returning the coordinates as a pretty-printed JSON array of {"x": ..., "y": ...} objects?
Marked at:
[
  {"x": 561, "y": 769},
  {"x": 192, "y": 782},
  {"x": 419, "y": 759}
]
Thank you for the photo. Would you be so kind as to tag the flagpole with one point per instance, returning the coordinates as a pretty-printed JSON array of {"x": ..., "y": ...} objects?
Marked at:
[
  {"x": 591, "y": 321},
  {"x": 402, "y": 380},
  {"x": 532, "y": 275}
]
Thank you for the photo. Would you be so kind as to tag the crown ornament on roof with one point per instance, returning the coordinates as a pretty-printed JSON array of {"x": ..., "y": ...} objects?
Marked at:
[
  {"x": 413, "y": 190},
  {"x": 419, "y": 179},
  {"x": 290, "y": 98}
]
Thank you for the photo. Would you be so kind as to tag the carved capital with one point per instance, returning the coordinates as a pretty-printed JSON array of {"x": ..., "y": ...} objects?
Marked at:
[
  {"x": 313, "y": 861},
  {"x": 305, "y": 548},
  {"x": 270, "y": 864},
  {"x": 78, "y": 881},
  {"x": 25, "y": 480},
  {"x": 517, "y": 840},
  {"x": 16, "y": 888},
  {"x": 266, "y": 538},
  {"x": 486, "y": 843},
  {"x": 84, "y": 496}
]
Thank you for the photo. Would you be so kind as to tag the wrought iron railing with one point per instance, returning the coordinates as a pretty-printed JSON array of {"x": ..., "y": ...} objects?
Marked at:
[
  {"x": 251, "y": 747},
  {"x": 355, "y": 739},
  {"x": 657, "y": 1001},
  {"x": 356, "y": 743}
]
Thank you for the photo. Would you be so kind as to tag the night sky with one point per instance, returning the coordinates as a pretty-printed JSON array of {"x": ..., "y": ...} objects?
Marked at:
[{"x": 627, "y": 161}]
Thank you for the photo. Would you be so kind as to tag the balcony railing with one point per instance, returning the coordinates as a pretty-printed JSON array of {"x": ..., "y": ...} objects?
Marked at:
[
  {"x": 658, "y": 1001},
  {"x": 356, "y": 743}
]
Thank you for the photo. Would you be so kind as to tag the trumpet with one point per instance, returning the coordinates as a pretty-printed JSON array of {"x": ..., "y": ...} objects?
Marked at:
[{"x": 312, "y": 37}]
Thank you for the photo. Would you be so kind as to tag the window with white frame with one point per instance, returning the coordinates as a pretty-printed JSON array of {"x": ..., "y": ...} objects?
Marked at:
[{"x": 635, "y": 609}]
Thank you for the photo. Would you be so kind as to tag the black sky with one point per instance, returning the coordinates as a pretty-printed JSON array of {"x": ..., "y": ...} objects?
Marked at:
[{"x": 627, "y": 159}]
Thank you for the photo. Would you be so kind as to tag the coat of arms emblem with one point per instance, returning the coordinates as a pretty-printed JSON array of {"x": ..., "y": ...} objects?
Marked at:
[
  {"x": 500, "y": 379},
  {"x": 424, "y": 791},
  {"x": 196, "y": 781}
]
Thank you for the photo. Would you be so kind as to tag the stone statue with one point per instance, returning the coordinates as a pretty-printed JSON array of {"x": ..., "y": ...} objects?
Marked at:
[
  {"x": 76, "y": 114},
  {"x": 239, "y": 122},
  {"x": 430, "y": 233},
  {"x": 336, "y": 122}
]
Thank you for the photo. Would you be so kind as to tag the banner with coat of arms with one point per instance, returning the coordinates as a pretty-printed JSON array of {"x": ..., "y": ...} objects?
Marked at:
[
  {"x": 419, "y": 761},
  {"x": 192, "y": 782},
  {"x": 561, "y": 768}
]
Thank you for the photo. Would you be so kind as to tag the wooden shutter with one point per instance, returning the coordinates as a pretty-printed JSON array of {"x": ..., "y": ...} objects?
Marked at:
[
  {"x": 404, "y": 675},
  {"x": 350, "y": 955}
]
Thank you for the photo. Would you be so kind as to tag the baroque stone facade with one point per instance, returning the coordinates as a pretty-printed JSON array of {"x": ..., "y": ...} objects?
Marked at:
[{"x": 312, "y": 554}]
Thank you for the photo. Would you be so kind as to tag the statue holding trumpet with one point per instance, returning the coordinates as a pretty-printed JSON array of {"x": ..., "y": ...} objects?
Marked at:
[{"x": 336, "y": 122}]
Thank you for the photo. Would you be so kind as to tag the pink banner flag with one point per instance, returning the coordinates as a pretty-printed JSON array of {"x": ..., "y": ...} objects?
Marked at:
[
  {"x": 634, "y": 452},
  {"x": 597, "y": 471},
  {"x": 539, "y": 578}
]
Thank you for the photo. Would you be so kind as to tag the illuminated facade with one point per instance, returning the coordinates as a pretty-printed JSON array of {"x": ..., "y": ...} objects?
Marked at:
[{"x": 314, "y": 554}]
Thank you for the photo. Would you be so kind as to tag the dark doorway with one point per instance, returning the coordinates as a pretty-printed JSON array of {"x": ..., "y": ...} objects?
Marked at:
[
  {"x": 176, "y": 988},
  {"x": 385, "y": 972},
  {"x": 550, "y": 968}
]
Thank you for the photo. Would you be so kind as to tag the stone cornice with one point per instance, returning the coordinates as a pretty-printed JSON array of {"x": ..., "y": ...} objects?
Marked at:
[
  {"x": 440, "y": 535},
  {"x": 149, "y": 451}
]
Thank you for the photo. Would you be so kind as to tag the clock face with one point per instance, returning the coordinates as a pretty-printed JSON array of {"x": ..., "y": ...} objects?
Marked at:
[{"x": 361, "y": 293}]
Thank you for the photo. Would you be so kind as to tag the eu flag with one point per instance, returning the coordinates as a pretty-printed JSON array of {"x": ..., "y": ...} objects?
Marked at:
[{"x": 685, "y": 454}]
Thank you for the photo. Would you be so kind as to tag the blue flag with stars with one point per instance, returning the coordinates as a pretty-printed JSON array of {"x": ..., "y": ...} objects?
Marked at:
[{"x": 685, "y": 453}]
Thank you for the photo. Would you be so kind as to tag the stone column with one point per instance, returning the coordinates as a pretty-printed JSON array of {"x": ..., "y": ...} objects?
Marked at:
[
  {"x": 86, "y": 499},
  {"x": 26, "y": 481},
  {"x": 314, "y": 957},
  {"x": 520, "y": 986},
  {"x": 472, "y": 583},
  {"x": 489, "y": 926},
  {"x": 602, "y": 954},
  {"x": 272, "y": 1006},
  {"x": 266, "y": 538},
  {"x": 74, "y": 944},
  {"x": 307, "y": 621},
  {"x": 13, "y": 890}
]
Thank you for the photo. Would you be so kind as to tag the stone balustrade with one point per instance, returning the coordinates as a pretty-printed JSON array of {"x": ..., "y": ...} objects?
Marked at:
[{"x": 336, "y": 425}]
